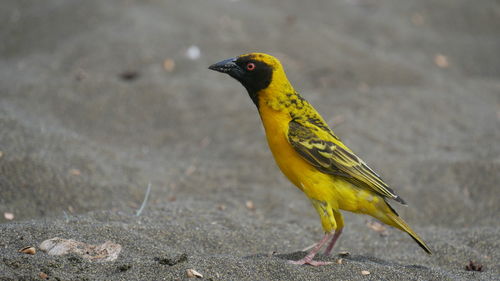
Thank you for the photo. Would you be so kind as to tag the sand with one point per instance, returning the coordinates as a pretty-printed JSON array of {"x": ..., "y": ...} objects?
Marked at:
[{"x": 98, "y": 99}]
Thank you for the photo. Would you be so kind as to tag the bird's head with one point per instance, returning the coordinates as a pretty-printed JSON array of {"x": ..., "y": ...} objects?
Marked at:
[{"x": 255, "y": 71}]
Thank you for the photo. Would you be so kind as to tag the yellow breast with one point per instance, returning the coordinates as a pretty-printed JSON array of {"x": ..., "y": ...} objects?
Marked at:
[{"x": 302, "y": 174}]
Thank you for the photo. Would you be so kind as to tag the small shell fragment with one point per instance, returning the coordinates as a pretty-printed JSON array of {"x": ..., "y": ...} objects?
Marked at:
[
  {"x": 365, "y": 272},
  {"x": 193, "y": 52},
  {"x": 441, "y": 61},
  {"x": 108, "y": 251},
  {"x": 169, "y": 65},
  {"x": 28, "y": 250},
  {"x": 249, "y": 204},
  {"x": 8, "y": 216},
  {"x": 43, "y": 275},
  {"x": 191, "y": 273},
  {"x": 339, "y": 261}
]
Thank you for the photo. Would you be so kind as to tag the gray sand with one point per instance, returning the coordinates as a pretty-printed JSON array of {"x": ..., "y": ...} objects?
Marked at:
[{"x": 89, "y": 116}]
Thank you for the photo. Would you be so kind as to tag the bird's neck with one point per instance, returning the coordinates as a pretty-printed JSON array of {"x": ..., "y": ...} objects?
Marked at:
[
  {"x": 284, "y": 100},
  {"x": 279, "y": 95}
]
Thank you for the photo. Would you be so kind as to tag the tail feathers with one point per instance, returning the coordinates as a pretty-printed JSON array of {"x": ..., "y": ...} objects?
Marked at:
[{"x": 401, "y": 224}]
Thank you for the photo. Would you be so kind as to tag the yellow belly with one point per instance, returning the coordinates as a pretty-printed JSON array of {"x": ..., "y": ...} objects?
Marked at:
[{"x": 337, "y": 192}]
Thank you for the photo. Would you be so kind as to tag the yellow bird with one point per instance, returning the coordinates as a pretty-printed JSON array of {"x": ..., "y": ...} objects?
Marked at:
[{"x": 310, "y": 155}]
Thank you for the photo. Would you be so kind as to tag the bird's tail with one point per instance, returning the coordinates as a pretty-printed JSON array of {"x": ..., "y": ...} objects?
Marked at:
[{"x": 396, "y": 221}]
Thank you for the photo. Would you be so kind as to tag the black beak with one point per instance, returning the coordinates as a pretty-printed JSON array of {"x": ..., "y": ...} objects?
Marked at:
[{"x": 226, "y": 66}]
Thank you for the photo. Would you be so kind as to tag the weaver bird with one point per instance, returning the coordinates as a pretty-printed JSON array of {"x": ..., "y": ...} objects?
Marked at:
[{"x": 310, "y": 155}]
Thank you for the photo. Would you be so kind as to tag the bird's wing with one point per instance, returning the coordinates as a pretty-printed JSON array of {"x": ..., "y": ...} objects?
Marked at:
[{"x": 331, "y": 156}]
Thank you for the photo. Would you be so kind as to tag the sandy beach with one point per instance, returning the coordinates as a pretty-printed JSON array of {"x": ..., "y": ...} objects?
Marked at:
[{"x": 99, "y": 99}]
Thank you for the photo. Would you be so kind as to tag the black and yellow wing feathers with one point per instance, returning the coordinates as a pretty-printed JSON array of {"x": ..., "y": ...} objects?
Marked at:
[{"x": 322, "y": 149}]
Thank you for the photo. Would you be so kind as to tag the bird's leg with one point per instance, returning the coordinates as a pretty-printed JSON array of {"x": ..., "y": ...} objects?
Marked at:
[
  {"x": 336, "y": 236},
  {"x": 309, "y": 258}
]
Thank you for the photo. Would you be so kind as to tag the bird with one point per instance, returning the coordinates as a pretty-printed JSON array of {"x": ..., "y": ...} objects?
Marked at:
[{"x": 311, "y": 156}]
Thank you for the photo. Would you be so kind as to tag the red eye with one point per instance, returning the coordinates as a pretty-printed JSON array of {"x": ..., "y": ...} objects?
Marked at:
[{"x": 250, "y": 66}]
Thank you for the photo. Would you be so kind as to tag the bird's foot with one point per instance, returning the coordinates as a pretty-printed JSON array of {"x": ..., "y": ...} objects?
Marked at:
[
  {"x": 310, "y": 262},
  {"x": 309, "y": 258}
]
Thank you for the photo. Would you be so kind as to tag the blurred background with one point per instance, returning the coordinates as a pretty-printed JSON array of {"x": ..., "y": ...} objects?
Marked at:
[{"x": 100, "y": 98}]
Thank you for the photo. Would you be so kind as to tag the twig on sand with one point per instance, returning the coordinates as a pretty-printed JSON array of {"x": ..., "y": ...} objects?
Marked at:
[
  {"x": 144, "y": 202},
  {"x": 66, "y": 217}
]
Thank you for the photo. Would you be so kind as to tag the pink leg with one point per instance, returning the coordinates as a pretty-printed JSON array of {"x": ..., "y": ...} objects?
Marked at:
[
  {"x": 309, "y": 258},
  {"x": 332, "y": 243}
]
